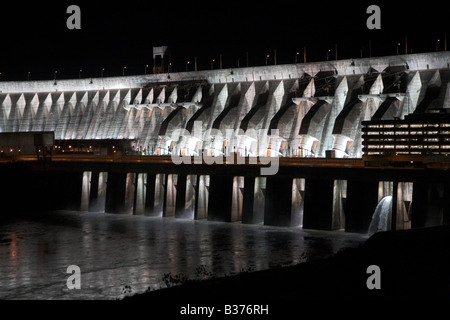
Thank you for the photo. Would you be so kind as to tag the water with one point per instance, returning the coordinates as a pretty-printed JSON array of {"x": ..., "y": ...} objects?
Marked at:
[
  {"x": 114, "y": 251},
  {"x": 381, "y": 218}
]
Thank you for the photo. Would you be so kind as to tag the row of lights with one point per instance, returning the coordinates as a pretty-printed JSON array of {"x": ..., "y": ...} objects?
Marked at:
[
  {"x": 188, "y": 63},
  {"x": 124, "y": 68},
  {"x": 11, "y": 150},
  {"x": 297, "y": 54},
  {"x": 55, "y": 73}
]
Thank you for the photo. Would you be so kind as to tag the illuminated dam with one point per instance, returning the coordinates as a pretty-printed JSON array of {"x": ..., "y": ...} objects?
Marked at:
[{"x": 307, "y": 116}]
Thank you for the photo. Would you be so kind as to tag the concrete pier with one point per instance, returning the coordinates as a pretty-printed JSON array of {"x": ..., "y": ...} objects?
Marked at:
[
  {"x": 116, "y": 192},
  {"x": 430, "y": 205},
  {"x": 150, "y": 194},
  {"x": 220, "y": 203},
  {"x": 362, "y": 200},
  {"x": 253, "y": 200},
  {"x": 278, "y": 209},
  {"x": 318, "y": 208},
  {"x": 314, "y": 198}
]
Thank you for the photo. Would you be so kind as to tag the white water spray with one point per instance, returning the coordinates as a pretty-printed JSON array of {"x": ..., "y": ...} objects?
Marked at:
[{"x": 381, "y": 219}]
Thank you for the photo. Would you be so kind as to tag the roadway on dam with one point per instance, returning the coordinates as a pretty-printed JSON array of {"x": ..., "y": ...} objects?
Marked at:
[{"x": 399, "y": 168}]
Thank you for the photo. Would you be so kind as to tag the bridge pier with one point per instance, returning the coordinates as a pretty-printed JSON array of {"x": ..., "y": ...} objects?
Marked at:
[
  {"x": 66, "y": 190},
  {"x": 120, "y": 193},
  {"x": 220, "y": 198},
  {"x": 180, "y": 201},
  {"x": 278, "y": 204},
  {"x": 151, "y": 197},
  {"x": 404, "y": 198},
  {"x": 430, "y": 205},
  {"x": 140, "y": 194},
  {"x": 237, "y": 199},
  {"x": 185, "y": 196},
  {"x": 149, "y": 187},
  {"x": 130, "y": 193},
  {"x": 318, "y": 206},
  {"x": 170, "y": 195},
  {"x": 298, "y": 195},
  {"x": 93, "y": 191},
  {"x": 150, "y": 194},
  {"x": 362, "y": 200},
  {"x": 85, "y": 191},
  {"x": 160, "y": 195},
  {"x": 253, "y": 200},
  {"x": 201, "y": 197},
  {"x": 115, "y": 192},
  {"x": 191, "y": 196}
]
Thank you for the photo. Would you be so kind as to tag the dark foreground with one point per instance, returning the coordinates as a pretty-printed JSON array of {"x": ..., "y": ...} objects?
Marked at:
[{"x": 413, "y": 264}]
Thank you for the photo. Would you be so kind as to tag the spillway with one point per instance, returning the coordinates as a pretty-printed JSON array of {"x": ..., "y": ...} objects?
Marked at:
[{"x": 303, "y": 110}]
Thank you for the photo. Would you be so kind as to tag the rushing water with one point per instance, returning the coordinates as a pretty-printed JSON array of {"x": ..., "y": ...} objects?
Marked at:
[
  {"x": 115, "y": 251},
  {"x": 381, "y": 219}
]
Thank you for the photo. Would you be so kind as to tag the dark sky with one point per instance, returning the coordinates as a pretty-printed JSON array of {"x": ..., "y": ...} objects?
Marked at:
[{"x": 114, "y": 34}]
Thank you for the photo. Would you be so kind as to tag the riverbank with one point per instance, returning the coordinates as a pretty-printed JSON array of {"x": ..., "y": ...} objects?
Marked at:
[{"x": 414, "y": 264}]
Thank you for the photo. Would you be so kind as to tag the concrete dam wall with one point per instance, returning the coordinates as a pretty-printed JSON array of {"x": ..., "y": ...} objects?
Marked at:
[{"x": 301, "y": 110}]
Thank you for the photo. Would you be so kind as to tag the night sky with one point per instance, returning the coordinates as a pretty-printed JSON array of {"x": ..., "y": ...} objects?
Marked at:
[{"x": 115, "y": 34}]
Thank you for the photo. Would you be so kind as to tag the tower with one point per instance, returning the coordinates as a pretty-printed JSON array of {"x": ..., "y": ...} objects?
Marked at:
[{"x": 159, "y": 54}]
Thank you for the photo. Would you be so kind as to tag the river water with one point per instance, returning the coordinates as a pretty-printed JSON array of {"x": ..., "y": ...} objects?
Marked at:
[{"x": 119, "y": 252}]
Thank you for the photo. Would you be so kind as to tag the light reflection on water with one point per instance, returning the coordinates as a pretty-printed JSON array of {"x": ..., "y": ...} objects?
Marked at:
[{"x": 114, "y": 251}]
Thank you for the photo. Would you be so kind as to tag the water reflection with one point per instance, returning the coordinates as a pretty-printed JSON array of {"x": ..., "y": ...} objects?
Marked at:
[{"x": 114, "y": 251}]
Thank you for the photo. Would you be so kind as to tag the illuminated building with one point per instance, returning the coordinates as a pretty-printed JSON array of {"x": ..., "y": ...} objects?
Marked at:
[{"x": 417, "y": 134}]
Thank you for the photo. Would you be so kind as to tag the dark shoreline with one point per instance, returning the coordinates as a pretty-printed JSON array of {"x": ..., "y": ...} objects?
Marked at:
[{"x": 414, "y": 264}]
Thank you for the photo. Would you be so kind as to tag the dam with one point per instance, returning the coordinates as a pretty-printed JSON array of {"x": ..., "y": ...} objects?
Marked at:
[{"x": 308, "y": 117}]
